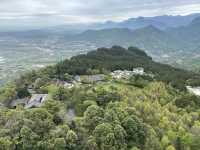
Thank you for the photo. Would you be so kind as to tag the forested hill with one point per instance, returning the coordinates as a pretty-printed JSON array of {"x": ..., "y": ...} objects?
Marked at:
[
  {"x": 106, "y": 60},
  {"x": 115, "y": 58},
  {"x": 52, "y": 109}
]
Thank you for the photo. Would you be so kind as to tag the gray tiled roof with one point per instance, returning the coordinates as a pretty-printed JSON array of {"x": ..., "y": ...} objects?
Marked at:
[
  {"x": 16, "y": 102},
  {"x": 36, "y": 100}
]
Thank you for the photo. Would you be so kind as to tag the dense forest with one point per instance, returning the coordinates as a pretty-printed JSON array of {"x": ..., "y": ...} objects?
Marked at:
[{"x": 139, "y": 113}]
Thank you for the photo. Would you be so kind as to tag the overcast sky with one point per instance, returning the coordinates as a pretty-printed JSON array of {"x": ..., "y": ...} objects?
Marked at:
[{"x": 37, "y": 12}]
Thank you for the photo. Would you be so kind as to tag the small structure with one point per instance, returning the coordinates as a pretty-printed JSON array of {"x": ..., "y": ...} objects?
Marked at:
[
  {"x": 18, "y": 102},
  {"x": 36, "y": 100},
  {"x": 126, "y": 74},
  {"x": 93, "y": 78},
  {"x": 118, "y": 74},
  {"x": 2, "y": 105},
  {"x": 68, "y": 85},
  {"x": 70, "y": 115},
  {"x": 65, "y": 84},
  {"x": 194, "y": 90},
  {"x": 77, "y": 78},
  {"x": 31, "y": 89},
  {"x": 138, "y": 71}
]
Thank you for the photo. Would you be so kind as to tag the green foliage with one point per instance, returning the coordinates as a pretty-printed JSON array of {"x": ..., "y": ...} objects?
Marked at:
[
  {"x": 104, "y": 97},
  {"x": 135, "y": 131},
  {"x": 119, "y": 58},
  {"x": 68, "y": 77},
  {"x": 8, "y": 93},
  {"x": 129, "y": 118},
  {"x": 196, "y": 143},
  {"x": 141, "y": 113},
  {"x": 23, "y": 92},
  {"x": 188, "y": 101},
  {"x": 58, "y": 93},
  {"x": 105, "y": 60},
  {"x": 5, "y": 143},
  {"x": 140, "y": 81},
  {"x": 93, "y": 116}
]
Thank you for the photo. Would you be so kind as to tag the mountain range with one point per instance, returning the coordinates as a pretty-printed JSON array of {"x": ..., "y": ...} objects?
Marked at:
[
  {"x": 165, "y": 44},
  {"x": 160, "y": 22},
  {"x": 168, "y": 39},
  {"x": 158, "y": 33}
]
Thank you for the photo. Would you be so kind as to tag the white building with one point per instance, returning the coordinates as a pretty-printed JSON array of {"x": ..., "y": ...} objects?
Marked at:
[
  {"x": 118, "y": 74},
  {"x": 77, "y": 78},
  {"x": 138, "y": 71},
  {"x": 194, "y": 90},
  {"x": 68, "y": 85}
]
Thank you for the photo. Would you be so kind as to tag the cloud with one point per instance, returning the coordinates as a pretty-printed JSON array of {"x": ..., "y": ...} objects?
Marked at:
[
  {"x": 186, "y": 9},
  {"x": 74, "y": 11}
]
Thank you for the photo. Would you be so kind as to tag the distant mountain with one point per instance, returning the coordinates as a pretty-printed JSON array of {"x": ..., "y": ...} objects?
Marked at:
[
  {"x": 181, "y": 34},
  {"x": 156, "y": 35},
  {"x": 160, "y": 22},
  {"x": 188, "y": 34},
  {"x": 196, "y": 21},
  {"x": 141, "y": 22},
  {"x": 176, "y": 21},
  {"x": 149, "y": 38}
]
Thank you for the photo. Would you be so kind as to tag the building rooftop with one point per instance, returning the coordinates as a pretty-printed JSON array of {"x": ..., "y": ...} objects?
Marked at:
[
  {"x": 94, "y": 78},
  {"x": 194, "y": 90},
  {"x": 36, "y": 100},
  {"x": 17, "y": 102}
]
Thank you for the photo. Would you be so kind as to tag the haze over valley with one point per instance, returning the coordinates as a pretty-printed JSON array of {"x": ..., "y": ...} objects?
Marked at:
[
  {"x": 18, "y": 56},
  {"x": 168, "y": 39}
]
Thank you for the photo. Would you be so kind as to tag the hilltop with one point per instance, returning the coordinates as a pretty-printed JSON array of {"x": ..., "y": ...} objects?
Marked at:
[
  {"x": 102, "y": 61},
  {"x": 120, "y": 58}
]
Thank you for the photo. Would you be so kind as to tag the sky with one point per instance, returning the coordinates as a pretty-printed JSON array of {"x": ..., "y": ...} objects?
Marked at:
[{"x": 55, "y": 12}]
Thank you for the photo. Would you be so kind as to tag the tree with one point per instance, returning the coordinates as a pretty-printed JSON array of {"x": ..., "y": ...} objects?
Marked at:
[
  {"x": 91, "y": 144},
  {"x": 104, "y": 97},
  {"x": 68, "y": 77},
  {"x": 152, "y": 140},
  {"x": 111, "y": 117},
  {"x": 136, "y": 134},
  {"x": 120, "y": 137},
  {"x": 8, "y": 93},
  {"x": 104, "y": 136},
  {"x": 93, "y": 116},
  {"x": 59, "y": 93},
  {"x": 165, "y": 142},
  {"x": 170, "y": 148},
  {"x": 5, "y": 143},
  {"x": 52, "y": 106},
  {"x": 39, "y": 120},
  {"x": 195, "y": 145},
  {"x": 71, "y": 139},
  {"x": 60, "y": 144},
  {"x": 135, "y": 148},
  {"x": 23, "y": 92},
  {"x": 29, "y": 139}
]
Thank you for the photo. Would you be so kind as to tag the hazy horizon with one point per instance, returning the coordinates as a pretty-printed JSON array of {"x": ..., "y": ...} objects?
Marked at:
[{"x": 47, "y": 13}]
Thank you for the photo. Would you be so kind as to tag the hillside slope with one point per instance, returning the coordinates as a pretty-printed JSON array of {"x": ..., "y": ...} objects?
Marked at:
[{"x": 137, "y": 113}]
